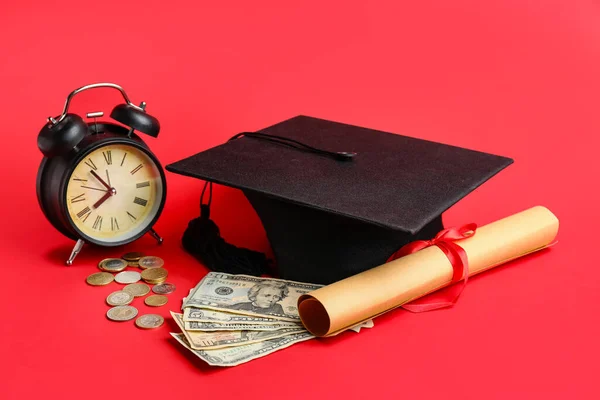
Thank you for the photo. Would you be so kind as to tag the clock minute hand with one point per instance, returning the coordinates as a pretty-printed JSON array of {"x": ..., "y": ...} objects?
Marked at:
[
  {"x": 93, "y": 188},
  {"x": 101, "y": 180}
]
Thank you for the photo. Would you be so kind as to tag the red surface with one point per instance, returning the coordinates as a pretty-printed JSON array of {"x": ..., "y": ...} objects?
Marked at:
[{"x": 516, "y": 78}]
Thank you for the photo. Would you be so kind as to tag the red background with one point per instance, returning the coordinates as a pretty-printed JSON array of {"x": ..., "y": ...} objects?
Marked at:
[{"x": 515, "y": 78}]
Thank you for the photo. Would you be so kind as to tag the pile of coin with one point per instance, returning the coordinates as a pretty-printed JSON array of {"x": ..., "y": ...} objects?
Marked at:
[{"x": 152, "y": 273}]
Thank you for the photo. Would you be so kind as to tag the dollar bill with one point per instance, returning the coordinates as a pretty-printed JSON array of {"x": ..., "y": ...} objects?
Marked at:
[
  {"x": 232, "y": 356},
  {"x": 212, "y": 326},
  {"x": 219, "y": 317},
  {"x": 195, "y": 326},
  {"x": 367, "y": 324},
  {"x": 220, "y": 339},
  {"x": 356, "y": 328},
  {"x": 249, "y": 295}
]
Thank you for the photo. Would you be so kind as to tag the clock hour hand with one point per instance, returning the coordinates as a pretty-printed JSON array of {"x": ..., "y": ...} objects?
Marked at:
[
  {"x": 102, "y": 199},
  {"x": 101, "y": 180}
]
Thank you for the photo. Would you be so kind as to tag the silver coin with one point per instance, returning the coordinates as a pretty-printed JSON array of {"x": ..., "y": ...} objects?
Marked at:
[
  {"x": 122, "y": 313},
  {"x": 149, "y": 321},
  {"x": 164, "y": 288},
  {"x": 119, "y": 298},
  {"x": 128, "y": 277},
  {"x": 150, "y": 262}
]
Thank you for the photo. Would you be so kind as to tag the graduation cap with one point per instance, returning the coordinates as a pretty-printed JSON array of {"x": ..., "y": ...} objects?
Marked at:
[{"x": 334, "y": 199}]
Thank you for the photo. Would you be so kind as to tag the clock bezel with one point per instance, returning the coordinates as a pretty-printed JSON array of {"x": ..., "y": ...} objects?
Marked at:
[{"x": 97, "y": 141}]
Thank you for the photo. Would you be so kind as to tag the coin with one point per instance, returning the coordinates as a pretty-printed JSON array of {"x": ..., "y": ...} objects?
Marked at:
[
  {"x": 100, "y": 278},
  {"x": 164, "y": 288},
  {"x": 156, "y": 300},
  {"x": 122, "y": 313},
  {"x": 133, "y": 256},
  {"x": 149, "y": 321},
  {"x": 119, "y": 298},
  {"x": 156, "y": 282},
  {"x": 112, "y": 265},
  {"x": 151, "y": 262},
  {"x": 152, "y": 275},
  {"x": 137, "y": 289},
  {"x": 127, "y": 277}
]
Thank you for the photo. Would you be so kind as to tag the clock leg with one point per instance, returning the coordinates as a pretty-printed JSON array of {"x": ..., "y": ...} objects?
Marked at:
[
  {"x": 155, "y": 235},
  {"x": 75, "y": 251}
]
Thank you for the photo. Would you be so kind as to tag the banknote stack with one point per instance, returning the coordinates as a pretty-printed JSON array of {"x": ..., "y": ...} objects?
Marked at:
[{"x": 228, "y": 319}]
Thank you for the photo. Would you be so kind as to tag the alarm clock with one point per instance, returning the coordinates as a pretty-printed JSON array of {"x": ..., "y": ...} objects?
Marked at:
[{"x": 98, "y": 182}]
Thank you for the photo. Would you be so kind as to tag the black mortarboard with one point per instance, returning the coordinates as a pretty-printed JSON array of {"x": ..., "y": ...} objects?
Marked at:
[{"x": 329, "y": 214}]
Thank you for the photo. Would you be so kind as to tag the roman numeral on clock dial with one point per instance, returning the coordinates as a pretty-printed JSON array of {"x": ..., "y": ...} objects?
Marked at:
[
  {"x": 140, "y": 201},
  {"x": 107, "y": 157},
  {"x": 83, "y": 214},
  {"x": 131, "y": 216},
  {"x": 142, "y": 184},
  {"x": 91, "y": 164},
  {"x": 79, "y": 198},
  {"x": 97, "y": 223},
  {"x": 136, "y": 169},
  {"x": 114, "y": 224}
]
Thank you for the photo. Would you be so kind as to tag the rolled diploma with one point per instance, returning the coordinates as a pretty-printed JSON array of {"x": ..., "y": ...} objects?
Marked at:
[{"x": 332, "y": 308}]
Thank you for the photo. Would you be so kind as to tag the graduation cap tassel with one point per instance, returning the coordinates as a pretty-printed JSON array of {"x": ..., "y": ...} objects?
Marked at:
[{"x": 202, "y": 239}]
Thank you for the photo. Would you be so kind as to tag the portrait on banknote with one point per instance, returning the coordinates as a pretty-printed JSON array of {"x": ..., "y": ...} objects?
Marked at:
[
  {"x": 264, "y": 298},
  {"x": 245, "y": 295}
]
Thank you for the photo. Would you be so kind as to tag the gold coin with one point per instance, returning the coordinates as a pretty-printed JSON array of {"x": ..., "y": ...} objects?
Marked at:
[
  {"x": 112, "y": 265},
  {"x": 133, "y": 256},
  {"x": 154, "y": 274},
  {"x": 151, "y": 262},
  {"x": 149, "y": 321},
  {"x": 100, "y": 278},
  {"x": 137, "y": 289},
  {"x": 156, "y": 300},
  {"x": 156, "y": 282},
  {"x": 132, "y": 263}
]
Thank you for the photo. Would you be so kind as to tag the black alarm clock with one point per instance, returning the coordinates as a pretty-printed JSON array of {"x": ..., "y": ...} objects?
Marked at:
[{"x": 99, "y": 182}]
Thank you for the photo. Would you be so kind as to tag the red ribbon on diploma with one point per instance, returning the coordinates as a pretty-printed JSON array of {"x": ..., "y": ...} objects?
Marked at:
[{"x": 457, "y": 256}]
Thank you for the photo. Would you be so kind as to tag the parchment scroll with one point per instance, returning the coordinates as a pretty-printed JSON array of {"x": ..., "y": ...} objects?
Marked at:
[{"x": 327, "y": 310}]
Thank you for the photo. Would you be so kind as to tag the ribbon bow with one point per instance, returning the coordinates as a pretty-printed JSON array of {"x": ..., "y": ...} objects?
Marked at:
[{"x": 457, "y": 256}]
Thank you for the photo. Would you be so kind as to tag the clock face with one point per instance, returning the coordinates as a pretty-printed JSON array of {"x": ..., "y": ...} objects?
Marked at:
[{"x": 114, "y": 193}]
